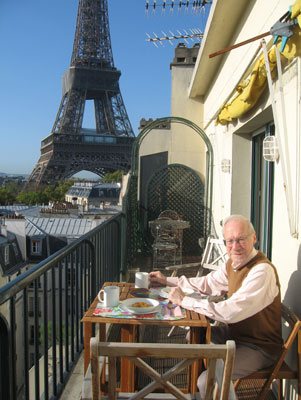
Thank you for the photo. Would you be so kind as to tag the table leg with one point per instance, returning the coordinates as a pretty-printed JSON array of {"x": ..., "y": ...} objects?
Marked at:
[
  {"x": 102, "y": 337},
  {"x": 194, "y": 338},
  {"x": 127, "y": 379},
  {"x": 87, "y": 337}
]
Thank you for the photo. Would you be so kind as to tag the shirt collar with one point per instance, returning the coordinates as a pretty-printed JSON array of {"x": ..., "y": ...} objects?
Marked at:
[{"x": 239, "y": 265}]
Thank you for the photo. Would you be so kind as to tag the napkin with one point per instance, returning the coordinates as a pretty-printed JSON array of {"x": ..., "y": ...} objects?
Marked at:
[
  {"x": 177, "y": 312},
  {"x": 173, "y": 312}
]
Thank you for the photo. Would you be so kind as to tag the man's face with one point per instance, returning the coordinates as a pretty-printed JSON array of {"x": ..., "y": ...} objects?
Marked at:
[{"x": 239, "y": 242}]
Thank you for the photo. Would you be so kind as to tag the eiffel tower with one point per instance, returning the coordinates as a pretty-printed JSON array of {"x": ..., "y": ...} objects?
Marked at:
[{"x": 91, "y": 76}]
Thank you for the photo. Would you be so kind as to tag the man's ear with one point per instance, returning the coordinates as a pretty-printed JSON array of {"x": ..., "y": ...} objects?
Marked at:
[{"x": 254, "y": 238}]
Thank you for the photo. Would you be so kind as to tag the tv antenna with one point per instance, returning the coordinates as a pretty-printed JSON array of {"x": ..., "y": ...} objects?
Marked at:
[
  {"x": 196, "y": 34},
  {"x": 193, "y": 4}
]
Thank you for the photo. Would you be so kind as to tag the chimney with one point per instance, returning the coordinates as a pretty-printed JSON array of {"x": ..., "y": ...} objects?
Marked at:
[{"x": 3, "y": 230}]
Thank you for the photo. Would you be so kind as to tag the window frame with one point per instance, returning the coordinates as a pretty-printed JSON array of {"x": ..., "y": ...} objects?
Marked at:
[{"x": 36, "y": 246}]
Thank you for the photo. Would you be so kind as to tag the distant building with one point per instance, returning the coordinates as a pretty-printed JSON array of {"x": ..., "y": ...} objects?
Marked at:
[
  {"x": 4, "y": 180},
  {"x": 11, "y": 258},
  {"x": 88, "y": 194},
  {"x": 12, "y": 263}
]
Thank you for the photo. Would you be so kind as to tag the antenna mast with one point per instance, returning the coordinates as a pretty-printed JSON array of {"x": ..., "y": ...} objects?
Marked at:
[
  {"x": 194, "y": 4},
  {"x": 196, "y": 34},
  {"x": 193, "y": 34}
]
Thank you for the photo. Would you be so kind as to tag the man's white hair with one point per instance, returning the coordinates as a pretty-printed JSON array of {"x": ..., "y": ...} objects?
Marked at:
[{"x": 238, "y": 218}]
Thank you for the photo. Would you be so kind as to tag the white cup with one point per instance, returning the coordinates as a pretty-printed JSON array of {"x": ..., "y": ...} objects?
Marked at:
[
  {"x": 110, "y": 296},
  {"x": 141, "y": 280}
]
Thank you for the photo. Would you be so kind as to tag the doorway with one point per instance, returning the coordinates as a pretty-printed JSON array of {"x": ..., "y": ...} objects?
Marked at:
[{"x": 262, "y": 192}]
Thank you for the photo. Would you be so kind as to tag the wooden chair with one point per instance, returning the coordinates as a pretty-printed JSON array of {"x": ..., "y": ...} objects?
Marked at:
[
  {"x": 214, "y": 255},
  {"x": 258, "y": 383},
  {"x": 220, "y": 366}
]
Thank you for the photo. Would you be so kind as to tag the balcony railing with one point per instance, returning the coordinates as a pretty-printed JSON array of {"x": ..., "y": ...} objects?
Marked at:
[{"x": 59, "y": 290}]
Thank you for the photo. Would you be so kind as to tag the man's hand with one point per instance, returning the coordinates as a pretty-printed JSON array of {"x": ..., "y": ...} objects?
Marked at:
[
  {"x": 176, "y": 295},
  {"x": 157, "y": 277}
]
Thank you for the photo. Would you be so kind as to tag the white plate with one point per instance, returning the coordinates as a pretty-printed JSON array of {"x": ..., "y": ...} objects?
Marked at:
[
  {"x": 127, "y": 306},
  {"x": 165, "y": 291}
]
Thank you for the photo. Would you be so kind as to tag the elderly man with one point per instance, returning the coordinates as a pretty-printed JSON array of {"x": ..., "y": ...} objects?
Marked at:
[{"x": 251, "y": 314}]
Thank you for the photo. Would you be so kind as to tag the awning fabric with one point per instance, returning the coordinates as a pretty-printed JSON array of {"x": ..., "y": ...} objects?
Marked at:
[{"x": 249, "y": 90}]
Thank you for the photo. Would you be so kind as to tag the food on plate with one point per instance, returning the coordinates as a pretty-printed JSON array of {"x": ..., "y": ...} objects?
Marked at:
[{"x": 141, "y": 304}]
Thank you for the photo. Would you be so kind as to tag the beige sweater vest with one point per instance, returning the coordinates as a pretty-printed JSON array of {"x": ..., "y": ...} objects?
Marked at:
[{"x": 264, "y": 328}]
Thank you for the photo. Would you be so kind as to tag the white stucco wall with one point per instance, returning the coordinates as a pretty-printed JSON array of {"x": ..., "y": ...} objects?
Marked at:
[
  {"x": 238, "y": 191},
  {"x": 232, "y": 191},
  {"x": 183, "y": 144},
  {"x": 259, "y": 16},
  {"x": 157, "y": 141},
  {"x": 192, "y": 150}
]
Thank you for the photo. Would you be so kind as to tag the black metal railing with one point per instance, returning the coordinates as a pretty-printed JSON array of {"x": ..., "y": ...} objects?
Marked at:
[{"x": 41, "y": 335}]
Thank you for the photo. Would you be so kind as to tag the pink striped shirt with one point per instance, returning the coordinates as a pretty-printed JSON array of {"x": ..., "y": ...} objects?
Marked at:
[{"x": 257, "y": 291}]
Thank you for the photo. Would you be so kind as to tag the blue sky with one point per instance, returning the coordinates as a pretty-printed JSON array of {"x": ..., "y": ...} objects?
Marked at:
[{"x": 36, "y": 41}]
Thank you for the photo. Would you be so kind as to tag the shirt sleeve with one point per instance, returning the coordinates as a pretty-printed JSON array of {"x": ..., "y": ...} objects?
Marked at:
[
  {"x": 257, "y": 291},
  {"x": 214, "y": 284}
]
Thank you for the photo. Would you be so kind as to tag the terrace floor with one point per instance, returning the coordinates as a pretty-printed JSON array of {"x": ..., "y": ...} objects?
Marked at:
[{"x": 73, "y": 389}]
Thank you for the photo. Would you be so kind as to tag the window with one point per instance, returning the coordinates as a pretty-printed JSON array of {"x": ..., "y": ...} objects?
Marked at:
[
  {"x": 31, "y": 335},
  {"x": 36, "y": 247},
  {"x": 262, "y": 192},
  {"x": 15, "y": 247},
  {"x": 31, "y": 359},
  {"x": 6, "y": 255},
  {"x": 31, "y": 307}
]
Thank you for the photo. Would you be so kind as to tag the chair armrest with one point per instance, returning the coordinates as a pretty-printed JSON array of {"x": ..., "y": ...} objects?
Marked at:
[{"x": 182, "y": 266}]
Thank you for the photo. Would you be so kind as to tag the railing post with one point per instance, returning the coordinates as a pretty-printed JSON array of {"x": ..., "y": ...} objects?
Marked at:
[{"x": 93, "y": 268}]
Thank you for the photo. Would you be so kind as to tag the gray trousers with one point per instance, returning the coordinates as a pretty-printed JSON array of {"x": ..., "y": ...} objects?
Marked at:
[{"x": 248, "y": 358}]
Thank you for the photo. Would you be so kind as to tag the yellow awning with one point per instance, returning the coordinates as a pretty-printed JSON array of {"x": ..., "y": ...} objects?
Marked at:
[{"x": 249, "y": 90}]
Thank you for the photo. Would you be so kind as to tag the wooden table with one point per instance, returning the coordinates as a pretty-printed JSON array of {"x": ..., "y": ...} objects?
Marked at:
[{"x": 193, "y": 320}]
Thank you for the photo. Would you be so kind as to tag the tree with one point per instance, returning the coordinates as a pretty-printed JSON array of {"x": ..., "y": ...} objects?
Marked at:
[
  {"x": 13, "y": 188},
  {"x": 46, "y": 194},
  {"x": 30, "y": 198},
  {"x": 6, "y": 197},
  {"x": 115, "y": 176},
  {"x": 49, "y": 333},
  {"x": 62, "y": 189}
]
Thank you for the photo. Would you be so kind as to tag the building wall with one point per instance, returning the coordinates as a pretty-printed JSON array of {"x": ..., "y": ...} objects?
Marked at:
[
  {"x": 5, "y": 325},
  {"x": 17, "y": 226},
  {"x": 186, "y": 146},
  {"x": 232, "y": 190},
  {"x": 183, "y": 144}
]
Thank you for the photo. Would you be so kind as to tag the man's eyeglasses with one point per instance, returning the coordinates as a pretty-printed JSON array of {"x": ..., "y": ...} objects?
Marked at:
[{"x": 240, "y": 241}]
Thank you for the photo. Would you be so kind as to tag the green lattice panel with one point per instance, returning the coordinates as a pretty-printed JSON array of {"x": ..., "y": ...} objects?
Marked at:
[{"x": 179, "y": 188}]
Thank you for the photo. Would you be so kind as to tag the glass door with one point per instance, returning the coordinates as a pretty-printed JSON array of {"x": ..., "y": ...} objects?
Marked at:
[{"x": 262, "y": 193}]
